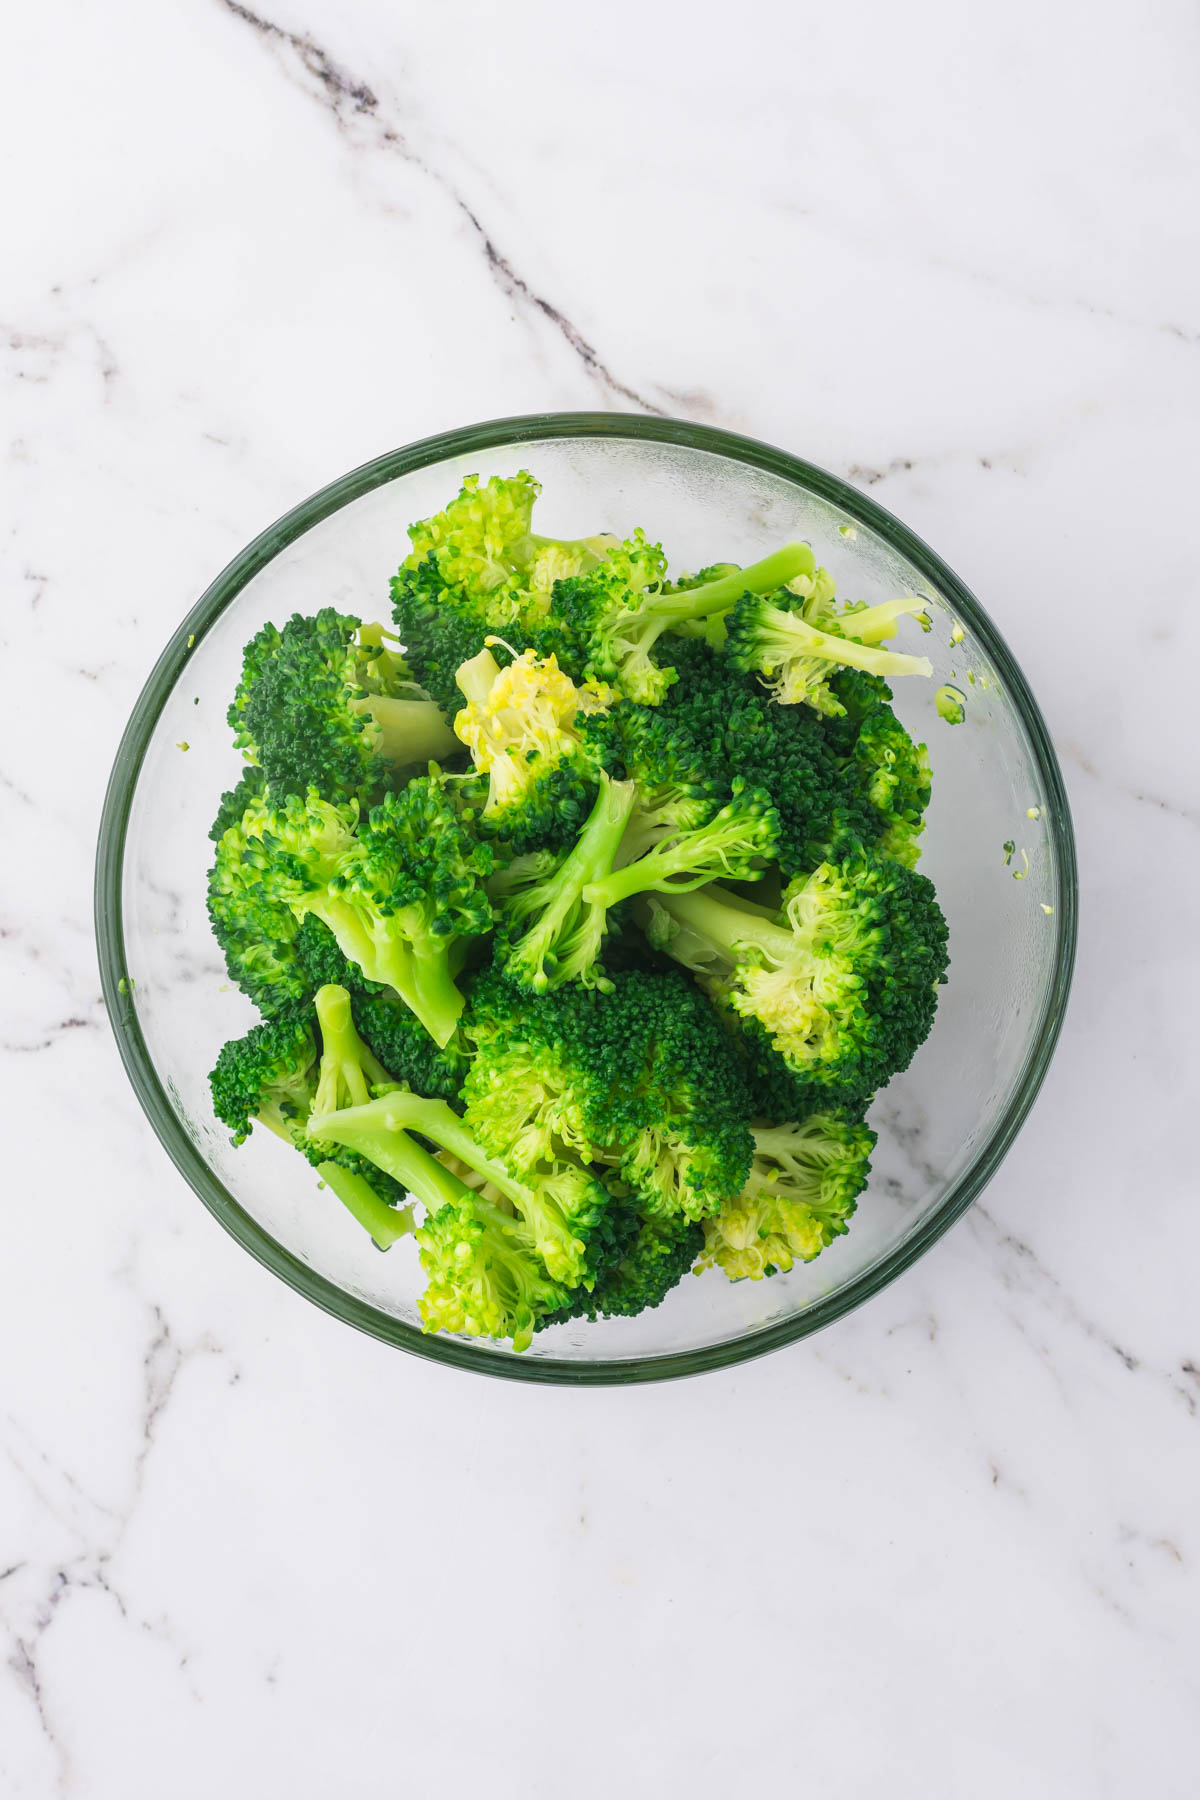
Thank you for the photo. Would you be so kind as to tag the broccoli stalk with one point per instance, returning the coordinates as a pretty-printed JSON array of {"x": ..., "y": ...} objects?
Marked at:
[
  {"x": 735, "y": 843},
  {"x": 796, "y": 658},
  {"x": 383, "y": 1223},
  {"x": 554, "y": 933},
  {"x": 562, "y": 1206},
  {"x": 618, "y": 612},
  {"x": 349, "y": 1069},
  {"x": 406, "y": 731}
]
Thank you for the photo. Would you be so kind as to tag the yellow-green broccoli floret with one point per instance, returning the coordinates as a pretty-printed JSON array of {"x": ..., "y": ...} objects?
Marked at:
[{"x": 800, "y": 1193}]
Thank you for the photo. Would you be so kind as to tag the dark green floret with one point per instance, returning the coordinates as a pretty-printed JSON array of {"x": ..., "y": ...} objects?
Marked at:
[
  {"x": 660, "y": 1254},
  {"x": 324, "y": 703},
  {"x": 843, "y": 981},
  {"x": 401, "y": 891},
  {"x": 641, "y": 1077}
]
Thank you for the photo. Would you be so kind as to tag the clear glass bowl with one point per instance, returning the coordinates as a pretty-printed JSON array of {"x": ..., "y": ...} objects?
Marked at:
[{"x": 943, "y": 1127}]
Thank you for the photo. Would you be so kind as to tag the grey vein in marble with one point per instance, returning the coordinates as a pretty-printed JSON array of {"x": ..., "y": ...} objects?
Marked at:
[{"x": 347, "y": 98}]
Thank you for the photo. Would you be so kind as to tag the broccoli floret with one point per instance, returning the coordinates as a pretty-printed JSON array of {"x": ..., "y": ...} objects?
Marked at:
[
  {"x": 485, "y": 1275},
  {"x": 614, "y": 615},
  {"x": 405, "y": 1048},
  {"x": 795, "y": 658},
  {"x": 547, "y": 933},
  {"x": 552, "y": 928},
  {"x": 881, "y": 761},
  {"x": 799, "y": 1196},
  {"x": 563, "y": 1207},
  {"x": 521, "y": 725},
  {"x": 251, "y": 784},
  {"x": 402, "y": 894},
  {"x": 255, "y": 929},
  {"x": 737, "y": 730},
  {"x": 269, "y": 1075},
  {"x": 324, "y": 704},
  {"x": 661, "y": 1252},
  {"x": 476, "y": 570},
  {"x": 641, "y": 1077},
  {"x": 843, "y": 982},
  {"x": 274, "y": 1076}
]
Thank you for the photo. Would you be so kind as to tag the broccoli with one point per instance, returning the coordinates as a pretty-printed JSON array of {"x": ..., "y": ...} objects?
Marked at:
[
  {"x": 274, "y": 1075},
  {"x": 844, "y": 981},
  {"x": 251, "y": 784},
  {"x": 269, "y": 1075},
  {"x": 552, "y": 927},
  {"x": 324, "y": 704},
  {"x": 881, "y": 762},
  {"x": 659, "y": 1255},
  {"x": 477, "y": 571},
  {"x": 614, "y": 615},
  {"x": 641, "y": 1077},
  {"x": 726, "y": 724},
  {"x": 568, "y": 920},
  {"x": 402, "y": 894},
  {"x": 799, "y": 1196},
  {"x": 255, "y": 930},
  {"x": 521, "y": 725},
  {"x": 563, "y": 1206},
  {"x": 795, "y": 658},
  {"x": 485, "y": 1276}
]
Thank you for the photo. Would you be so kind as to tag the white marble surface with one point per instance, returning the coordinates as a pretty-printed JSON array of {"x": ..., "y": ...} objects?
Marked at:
[{"x": 948, "y": 1549}]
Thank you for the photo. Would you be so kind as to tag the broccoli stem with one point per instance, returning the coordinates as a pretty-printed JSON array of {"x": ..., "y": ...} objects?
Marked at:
[
  {"x": 782, "y": 635},
  {"x": 423, "y": 979},
  {"x": 384, "y": 1223},
  {"x": 875, "y": 623},
  {"x": 690, "y": 860},
  {"x": 726, "y": 926},
  {"x": 477, "y": 676},
  {"x": 378, "y": 1136},
  {"x": 379, "y": 1131},
  {"x": 436, "y": 1000},
  {"x": 408, "y": 731},
  {"x": 346, "y": 1062},
  {"x": 762, "y": 577},
  {"x": 590, "y": 861}
]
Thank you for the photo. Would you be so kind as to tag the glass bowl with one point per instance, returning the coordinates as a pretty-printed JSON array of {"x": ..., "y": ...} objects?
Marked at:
[{"x": 943, "y": 1126}]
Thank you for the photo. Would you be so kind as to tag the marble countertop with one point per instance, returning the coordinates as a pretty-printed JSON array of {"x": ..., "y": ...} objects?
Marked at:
[{"x": 948, "y": 1548}]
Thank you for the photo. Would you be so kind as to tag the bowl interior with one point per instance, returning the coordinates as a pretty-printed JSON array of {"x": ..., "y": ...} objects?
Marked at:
[{"x": 942, "y": 1126}]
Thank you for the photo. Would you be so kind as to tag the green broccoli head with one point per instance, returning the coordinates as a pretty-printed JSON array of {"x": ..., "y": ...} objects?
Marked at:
[
  {"x": 657, "y": 1254},
  {"x": 254, "y": 926},
  {"x": 843, "y": 982},
  {"x": 486, "y": 1278},
  {"x": 796, "y": 657},
  {"x": 325, "y": 704},
  {"x": 269, "y": 1075},
  {"x": 522, "y": 725},
  {"x": 887, "y": 771},
  {"x": 475, "y": 571},
  {"x": 799, "y": 1196},
  {"x": 737, "y": 730},
  {"x": 641, "y": 1077},
  {"x": 251, "y": 785},
  {"x": 402, "y": 894}
]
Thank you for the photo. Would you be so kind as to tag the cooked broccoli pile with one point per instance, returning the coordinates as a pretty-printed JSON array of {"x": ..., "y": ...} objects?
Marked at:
[{"x": 582, "y": 912}]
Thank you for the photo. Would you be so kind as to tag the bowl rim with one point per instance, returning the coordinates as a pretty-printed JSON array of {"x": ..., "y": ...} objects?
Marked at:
[{"x": 119, "y": 989}]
